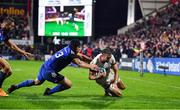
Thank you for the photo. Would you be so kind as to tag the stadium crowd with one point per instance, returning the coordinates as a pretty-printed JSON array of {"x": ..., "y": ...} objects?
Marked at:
[
  {"x": 22, "y": 28},
  {"x": 20, "y": 32},
  {"x": 160, "y": 32}
]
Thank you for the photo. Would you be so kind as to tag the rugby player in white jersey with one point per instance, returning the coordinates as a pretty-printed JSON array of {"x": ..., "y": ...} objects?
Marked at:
[{"x": 108, "y": 78}]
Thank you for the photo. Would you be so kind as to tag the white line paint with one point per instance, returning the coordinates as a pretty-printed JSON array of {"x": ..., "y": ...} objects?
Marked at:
[
  {"x": 150, "y": 82},
  {"x": 91, "y": 100},
  {"x": 17, "y": 69}
]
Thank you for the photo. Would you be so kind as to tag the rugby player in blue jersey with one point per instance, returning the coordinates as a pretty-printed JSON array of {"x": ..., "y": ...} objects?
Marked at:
[
  {"x": 5, "y": 28},
  {"x": 49, "y": 70}
]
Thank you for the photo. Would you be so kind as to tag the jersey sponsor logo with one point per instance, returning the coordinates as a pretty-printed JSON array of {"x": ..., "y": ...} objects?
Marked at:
[{"x": 53, "y": 75}]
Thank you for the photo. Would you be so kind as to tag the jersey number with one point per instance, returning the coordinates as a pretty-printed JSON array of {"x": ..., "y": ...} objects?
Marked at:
[{"x": 59, "y": 54}]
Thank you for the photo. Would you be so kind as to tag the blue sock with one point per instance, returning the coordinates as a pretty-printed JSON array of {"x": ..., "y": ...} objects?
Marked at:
[
  {"x": 2, "y": 77},
  {"x": 57, "y": 88},
  {"x": 26, "y": 83}
]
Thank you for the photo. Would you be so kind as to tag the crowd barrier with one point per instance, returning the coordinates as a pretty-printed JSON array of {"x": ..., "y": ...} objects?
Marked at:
[{"x": 152, "y": 65}]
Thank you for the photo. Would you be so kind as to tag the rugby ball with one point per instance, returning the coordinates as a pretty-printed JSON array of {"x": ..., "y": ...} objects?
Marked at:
[{"x": 101, "y": 72}]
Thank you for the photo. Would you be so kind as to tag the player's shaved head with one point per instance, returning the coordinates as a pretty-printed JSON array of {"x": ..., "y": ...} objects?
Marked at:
[
  {"x": 106, "y": 55},
  {"x": 107, "y": 51}
]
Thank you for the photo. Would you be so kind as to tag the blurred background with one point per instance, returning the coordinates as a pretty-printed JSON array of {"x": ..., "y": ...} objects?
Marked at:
[{"x": 45, "y": 26}]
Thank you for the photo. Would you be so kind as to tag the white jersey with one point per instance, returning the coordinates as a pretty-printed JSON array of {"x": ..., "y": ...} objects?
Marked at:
[
  {"x": 106, "y": 65},
  {"x": 104, "y": 82}
]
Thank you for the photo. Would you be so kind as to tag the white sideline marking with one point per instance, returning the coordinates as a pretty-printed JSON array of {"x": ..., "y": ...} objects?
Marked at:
[
  {"x": 150, "y": 82},
  {"x": 17, "y": 69},
  {"x": 93, "y": 100}
]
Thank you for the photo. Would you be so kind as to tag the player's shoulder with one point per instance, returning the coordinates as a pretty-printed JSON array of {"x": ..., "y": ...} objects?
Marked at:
[
  {"x": 66, "y": 50},
  {"x": 112, "y": 60},
  {"x": 94, "y": 61},
  {"x": 112, "y": 56},
  {"x": 95, "y": 58},
  {"x": 98, "y": 55}
]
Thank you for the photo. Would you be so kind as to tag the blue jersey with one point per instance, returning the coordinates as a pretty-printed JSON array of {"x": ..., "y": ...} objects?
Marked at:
[
  {"x": 3, "y": 35},
  {"x": 60, "y": 60}
]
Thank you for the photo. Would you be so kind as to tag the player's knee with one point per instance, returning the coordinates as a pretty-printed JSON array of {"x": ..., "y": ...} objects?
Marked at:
[
  {"x": 116, "y": 94},
  {"x": 69, "y": 85},
  {"x": 91, "y": 78},
  {"x": 37, "y": 82},
  {"x": 123, "y": 87},
  {"x": 114, "y": 90},
  {"x": 8, "y": 71},
  {"x": 9, "y": 74}
]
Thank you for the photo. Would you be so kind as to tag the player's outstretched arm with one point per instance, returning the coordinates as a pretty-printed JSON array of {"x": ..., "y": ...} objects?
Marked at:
[
  {"x": 84, "y": 57},
  {"x": 85, "y": 65},
  {"x": 13, "y": 46}
]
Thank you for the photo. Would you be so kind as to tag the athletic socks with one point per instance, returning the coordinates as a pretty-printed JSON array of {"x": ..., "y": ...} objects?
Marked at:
[
  {"x": 57, "y": 88},
  {"x": 26, "y": 83}
]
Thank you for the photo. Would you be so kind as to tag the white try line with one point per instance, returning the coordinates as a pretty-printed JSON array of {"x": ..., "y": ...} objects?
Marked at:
[
  {"x": 150, "y": 82},
  {"x": 89, "y": 100},
  {"x": 17, "y": 69}
]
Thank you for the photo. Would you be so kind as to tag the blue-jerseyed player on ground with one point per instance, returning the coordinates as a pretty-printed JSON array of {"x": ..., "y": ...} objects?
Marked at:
[
  {"x": 49, "y": 70},
  {"x": 5, "y": 69}
]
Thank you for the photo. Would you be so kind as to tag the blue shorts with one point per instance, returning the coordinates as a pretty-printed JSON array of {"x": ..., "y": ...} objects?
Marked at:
[{"x": 49, "y": 75}]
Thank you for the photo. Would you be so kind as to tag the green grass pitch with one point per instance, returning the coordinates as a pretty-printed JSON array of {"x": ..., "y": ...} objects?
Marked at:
[
  {"x": 68, "y": 27},
  {"x": 153, "y": 91}
]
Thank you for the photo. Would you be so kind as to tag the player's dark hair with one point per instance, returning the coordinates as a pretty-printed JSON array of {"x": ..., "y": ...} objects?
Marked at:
[
  {"x": 74, "y": 44},
  {"x": 8, "y": 20},
  {"x": 2, "y": 17},
  {"x": 107, "y": 51}
]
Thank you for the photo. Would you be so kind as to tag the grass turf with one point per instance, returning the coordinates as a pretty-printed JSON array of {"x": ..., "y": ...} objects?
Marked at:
[{"x": 153, "y": 91}]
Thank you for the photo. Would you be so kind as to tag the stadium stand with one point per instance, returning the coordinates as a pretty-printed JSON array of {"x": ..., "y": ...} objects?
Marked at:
[{"x": 161, "y": 33}]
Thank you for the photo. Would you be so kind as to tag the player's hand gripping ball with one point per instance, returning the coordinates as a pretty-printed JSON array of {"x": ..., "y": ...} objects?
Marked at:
[{"x": 101, "y": 73}]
